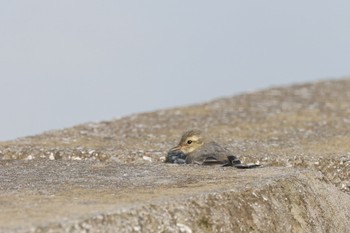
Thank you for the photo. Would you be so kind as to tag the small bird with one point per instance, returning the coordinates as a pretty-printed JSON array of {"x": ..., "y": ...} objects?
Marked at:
[{"x": 196, "y": 149}]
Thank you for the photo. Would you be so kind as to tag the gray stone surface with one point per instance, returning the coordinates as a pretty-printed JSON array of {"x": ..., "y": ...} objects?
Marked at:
[{"x": 110, "y": 176}]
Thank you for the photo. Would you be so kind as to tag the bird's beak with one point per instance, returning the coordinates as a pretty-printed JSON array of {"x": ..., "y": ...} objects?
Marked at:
[{"x": 176, "y": 148}]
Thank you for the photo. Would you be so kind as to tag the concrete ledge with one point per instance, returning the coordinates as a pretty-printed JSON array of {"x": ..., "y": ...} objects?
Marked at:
[
  {"x": 109, "y": 176},
  {"x": 66, "y": 196}
]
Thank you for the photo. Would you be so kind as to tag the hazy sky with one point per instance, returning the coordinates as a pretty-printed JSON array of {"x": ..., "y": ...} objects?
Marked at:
[{"x": 73, "y": 61}]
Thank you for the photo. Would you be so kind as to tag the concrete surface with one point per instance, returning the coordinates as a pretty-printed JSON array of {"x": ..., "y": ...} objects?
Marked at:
[{"x": 109, "y": 176}]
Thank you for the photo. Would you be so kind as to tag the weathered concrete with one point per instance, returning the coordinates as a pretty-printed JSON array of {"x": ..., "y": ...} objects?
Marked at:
[{"x": 109, "y": 176}]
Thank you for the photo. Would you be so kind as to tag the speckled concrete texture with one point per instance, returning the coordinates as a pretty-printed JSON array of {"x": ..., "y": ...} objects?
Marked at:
[{"x": 110, "y": 176}]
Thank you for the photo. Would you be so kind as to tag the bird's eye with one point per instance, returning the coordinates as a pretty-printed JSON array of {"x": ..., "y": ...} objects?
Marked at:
[{"x": 189, "y": 141}]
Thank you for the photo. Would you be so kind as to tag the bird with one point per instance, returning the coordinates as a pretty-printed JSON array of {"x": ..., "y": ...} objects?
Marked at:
[{"x": 195, "y": 148}]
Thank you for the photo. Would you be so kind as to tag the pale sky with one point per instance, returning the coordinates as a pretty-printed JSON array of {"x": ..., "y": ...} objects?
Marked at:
[{"x": 69, "y": 62}]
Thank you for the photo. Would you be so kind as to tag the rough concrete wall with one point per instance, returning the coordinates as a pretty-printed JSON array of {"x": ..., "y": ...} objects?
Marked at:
[
  {"x": 287, "y": 205},
  {"x": 109, "y": 176}
]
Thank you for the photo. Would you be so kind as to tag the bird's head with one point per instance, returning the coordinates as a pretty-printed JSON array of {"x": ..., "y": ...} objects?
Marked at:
[{"x": 190, "y": 141}]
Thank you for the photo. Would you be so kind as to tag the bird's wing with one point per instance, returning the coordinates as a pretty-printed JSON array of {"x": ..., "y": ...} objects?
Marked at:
[
  {"x": 209, "y": 154},
  {"x": 210, "y": 160}
]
